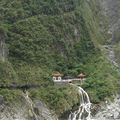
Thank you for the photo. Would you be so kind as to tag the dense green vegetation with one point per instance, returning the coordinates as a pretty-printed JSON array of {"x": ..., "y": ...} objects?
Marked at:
[
  {"x": 62, "y": 98},
  {"x": 55, "y": 35},
  {"x": 10, "y": 96},
  {"x": 102, "y": 82},
  {"x": 42, "y": 41}
]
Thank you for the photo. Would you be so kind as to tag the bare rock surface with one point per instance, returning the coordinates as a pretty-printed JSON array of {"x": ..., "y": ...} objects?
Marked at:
[
  {"x": 23, "y": 111},
  {"x": 110, "y": 111}
]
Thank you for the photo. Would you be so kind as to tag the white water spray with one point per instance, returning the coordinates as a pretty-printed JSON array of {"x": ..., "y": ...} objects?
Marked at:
[{"x": 84, "y": 107}]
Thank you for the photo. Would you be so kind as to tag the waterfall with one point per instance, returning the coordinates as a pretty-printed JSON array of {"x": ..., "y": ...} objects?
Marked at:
[
  {"x": 31, "y": 104},
  {"x": 84, "y": 107}
]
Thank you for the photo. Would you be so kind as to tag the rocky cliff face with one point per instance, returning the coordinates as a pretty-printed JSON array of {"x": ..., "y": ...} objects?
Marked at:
[
  {"x": 24, "y": 110},
  {"x": 110, "y": 111},
  {"x": 43, "y": 36},
  {"x": 111, "y": 10}
]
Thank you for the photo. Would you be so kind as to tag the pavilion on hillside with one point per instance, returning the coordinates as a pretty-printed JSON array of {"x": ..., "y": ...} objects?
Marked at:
[
  {"x": 81, "y": 76},
  {"x": 57, "y": 76}
]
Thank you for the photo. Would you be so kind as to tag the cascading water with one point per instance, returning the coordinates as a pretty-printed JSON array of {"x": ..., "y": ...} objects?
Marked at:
[{"x": 84, "y": 107}]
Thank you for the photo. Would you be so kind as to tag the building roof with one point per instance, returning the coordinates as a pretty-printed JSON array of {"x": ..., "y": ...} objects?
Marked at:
[
  {"x": 57, "y": 74},
  {"x": 81, "y": 75}
]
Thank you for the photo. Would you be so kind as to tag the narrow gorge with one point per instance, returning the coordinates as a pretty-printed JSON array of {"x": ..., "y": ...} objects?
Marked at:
[{"x": 39, "y": 38}]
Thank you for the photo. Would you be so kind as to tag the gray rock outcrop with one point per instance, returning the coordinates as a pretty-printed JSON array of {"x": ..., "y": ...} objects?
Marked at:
[{"x": 110, "y": 111}]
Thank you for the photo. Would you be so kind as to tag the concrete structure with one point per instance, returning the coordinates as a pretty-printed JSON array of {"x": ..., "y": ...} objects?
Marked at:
[
  {"x": 81, "y": 77},
  {"x": 57, "y": 78}
]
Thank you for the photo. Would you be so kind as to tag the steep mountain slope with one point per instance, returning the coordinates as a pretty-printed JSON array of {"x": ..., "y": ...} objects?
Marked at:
[
  {"x": 110, "y": 10},
  {"x": 54, "y": 35}
]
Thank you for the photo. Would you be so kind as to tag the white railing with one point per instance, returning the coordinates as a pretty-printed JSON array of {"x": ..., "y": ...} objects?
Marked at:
[{"x": 69, "y": 80}]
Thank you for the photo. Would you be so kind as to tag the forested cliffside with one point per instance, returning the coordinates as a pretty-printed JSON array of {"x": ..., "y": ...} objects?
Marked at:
[
  {"x": 42, "y": 36},
  {"x": 53, "y": 34}
]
